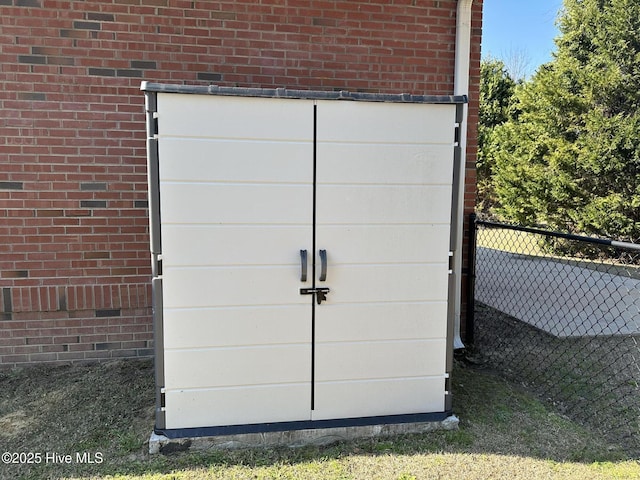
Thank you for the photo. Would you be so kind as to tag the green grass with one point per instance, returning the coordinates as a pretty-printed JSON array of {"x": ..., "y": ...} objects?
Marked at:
[
  {"x": 505, "y": 432},
  {"x": 592, "y": 379},
  {"x": 512, "y": 241},
  {"x": 532, "y": 245}
]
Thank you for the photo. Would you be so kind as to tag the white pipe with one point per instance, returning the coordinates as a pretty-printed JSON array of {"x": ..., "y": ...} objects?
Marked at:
[
  {"x": 461, "y": 87},
  {"x": 463, "y": 48}
]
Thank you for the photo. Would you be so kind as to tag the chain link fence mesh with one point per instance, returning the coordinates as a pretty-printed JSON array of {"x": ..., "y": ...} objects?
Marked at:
[{"x": 562, "y": 316}]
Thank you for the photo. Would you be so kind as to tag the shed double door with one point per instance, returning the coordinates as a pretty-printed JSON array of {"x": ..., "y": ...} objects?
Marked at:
[{"x": 246, "y": 186}]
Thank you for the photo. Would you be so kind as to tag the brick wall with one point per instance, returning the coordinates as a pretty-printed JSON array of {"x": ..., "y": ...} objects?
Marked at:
[{"x": 74, "y": 261}]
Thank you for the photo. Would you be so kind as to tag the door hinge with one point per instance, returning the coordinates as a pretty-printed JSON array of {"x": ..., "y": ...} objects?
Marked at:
[
  {"x": 151, "y": 107},
  {"x": 450, "y": 263},
  {"x": 447, "y": 392},
  {"x": 156, "y": 264},
  {"x": 163, "y": 400},
  {"x": 458, "y": 123}
]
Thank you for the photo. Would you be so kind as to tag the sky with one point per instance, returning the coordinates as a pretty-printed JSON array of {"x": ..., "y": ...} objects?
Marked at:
[{"x": 522, "y": 29}]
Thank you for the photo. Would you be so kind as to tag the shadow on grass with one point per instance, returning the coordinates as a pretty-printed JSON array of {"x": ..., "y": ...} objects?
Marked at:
[
  {"x": 108, "y": 409},
  {"x": 592, "y": 380}
]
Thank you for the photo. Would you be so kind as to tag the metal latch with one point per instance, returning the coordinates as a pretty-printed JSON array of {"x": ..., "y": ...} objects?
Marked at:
[{"x": 320, "y": 293}]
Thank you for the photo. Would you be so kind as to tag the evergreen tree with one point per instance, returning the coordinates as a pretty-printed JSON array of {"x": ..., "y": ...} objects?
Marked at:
[
  {"x": 496, "y": 99},
  {"x": 569, "y": 157}
]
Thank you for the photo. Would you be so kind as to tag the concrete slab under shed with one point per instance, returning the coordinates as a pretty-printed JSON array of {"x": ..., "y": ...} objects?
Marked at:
[{"x": 295, "y": 438}]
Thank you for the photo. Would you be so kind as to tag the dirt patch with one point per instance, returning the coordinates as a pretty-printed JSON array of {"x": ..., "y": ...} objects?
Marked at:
[{"x": 13, "y": 424}]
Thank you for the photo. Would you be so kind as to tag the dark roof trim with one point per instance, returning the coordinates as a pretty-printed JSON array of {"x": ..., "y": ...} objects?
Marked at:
[{"x": 301, "y": 94}]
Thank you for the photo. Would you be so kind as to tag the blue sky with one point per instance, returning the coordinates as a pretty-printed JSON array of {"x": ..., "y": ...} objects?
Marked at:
[{"x": 521, "y": 27}]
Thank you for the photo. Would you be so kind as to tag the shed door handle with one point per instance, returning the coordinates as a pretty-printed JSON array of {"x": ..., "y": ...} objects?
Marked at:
[
  {"x": 323, "y": 265},
  {"x": 303, "y": 265}
]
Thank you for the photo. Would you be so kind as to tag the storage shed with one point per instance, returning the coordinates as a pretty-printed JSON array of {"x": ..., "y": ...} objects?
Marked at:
[{"x": 301, "y": 245}]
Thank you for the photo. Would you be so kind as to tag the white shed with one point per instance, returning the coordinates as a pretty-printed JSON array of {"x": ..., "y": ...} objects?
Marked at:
[{"x": 301, "y": 246}]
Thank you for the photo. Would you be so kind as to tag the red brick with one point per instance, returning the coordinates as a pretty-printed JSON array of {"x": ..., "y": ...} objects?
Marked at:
[{"x": 64, "y": 127}]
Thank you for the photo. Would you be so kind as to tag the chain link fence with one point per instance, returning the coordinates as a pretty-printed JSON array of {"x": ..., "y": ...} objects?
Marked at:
[{"x": 561, "y": 314}]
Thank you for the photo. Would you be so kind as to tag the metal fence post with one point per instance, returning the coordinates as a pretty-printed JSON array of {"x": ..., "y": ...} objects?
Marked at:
[{"x": 471, "y": 280}]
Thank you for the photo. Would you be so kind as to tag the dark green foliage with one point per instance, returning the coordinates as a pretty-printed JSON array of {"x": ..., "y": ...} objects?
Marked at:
[
  {"x": 496, "y": 100},
  {"x": 569, "y": 155}
]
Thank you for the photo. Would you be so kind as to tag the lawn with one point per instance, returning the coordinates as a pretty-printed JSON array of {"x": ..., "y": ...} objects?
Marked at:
[
  {"x": 615, "y": 261},
  {"x": 103, "y": 414}
]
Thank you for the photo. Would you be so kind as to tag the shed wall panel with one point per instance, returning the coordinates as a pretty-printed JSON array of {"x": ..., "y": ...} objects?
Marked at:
[
  {"x": 240, "y": 196},
  {"x": 236, "y": 209},
  {"x": 238, "y": 406},
  {"x": 353, "y": 399}
]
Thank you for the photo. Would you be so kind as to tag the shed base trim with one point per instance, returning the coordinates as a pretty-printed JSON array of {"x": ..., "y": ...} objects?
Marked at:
[{"x": 297, "y": 434}]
